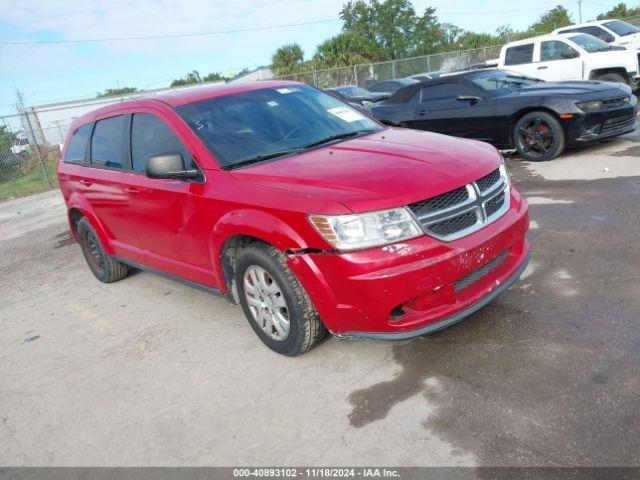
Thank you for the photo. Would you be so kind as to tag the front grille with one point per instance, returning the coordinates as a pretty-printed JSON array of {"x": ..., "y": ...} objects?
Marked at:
[
  {"x": 446, "y": 200},
  {"x": 476, "y": 275},
  {"x": 455, "y": 224},
  {"x": 486, "y": 182},
  {"x": 493, "y": 205},
  {"x": 616, "y": 124},
  {"x": 466, "y": 209}
]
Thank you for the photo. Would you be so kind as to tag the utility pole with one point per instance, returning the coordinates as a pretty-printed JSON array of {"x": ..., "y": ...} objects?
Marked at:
[{"x": 580, "y": 11}]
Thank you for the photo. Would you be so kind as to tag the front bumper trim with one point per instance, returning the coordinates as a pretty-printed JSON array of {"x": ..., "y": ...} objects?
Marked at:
[{"x": 444, "y": 323}]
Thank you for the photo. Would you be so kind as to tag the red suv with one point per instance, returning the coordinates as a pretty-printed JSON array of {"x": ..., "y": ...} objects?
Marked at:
[{"x": 310, "y": 214}]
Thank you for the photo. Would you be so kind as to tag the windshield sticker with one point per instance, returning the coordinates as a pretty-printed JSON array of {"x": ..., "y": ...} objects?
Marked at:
[
  {"x": 284, "y": 90},
  {"x": 346, "y": 114},
  {"x": 272, "y": 103}
]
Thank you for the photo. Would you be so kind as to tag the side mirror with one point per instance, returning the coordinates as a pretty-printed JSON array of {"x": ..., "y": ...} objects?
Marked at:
[
  {"x": 568, "y": 55},
  {"x": 472, "y": 99},
  {"x": 169, "y": 165}
]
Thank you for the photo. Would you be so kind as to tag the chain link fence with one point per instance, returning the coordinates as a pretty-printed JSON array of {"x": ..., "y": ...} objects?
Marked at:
[
  {"x": 27, "y": 161},
  {"x": 365, "y": 75}
]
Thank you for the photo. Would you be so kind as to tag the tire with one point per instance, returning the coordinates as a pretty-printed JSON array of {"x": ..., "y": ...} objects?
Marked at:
[
  {"x": 538, "y": 137},
  {"x": 105, "y": 268},
  {"x": 269, "y": 307},
  {"x": 613, "y": 77}
]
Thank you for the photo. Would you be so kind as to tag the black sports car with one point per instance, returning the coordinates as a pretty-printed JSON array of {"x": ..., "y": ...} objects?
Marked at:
[
  {"x": 510, "y": 111},
  {"x": 358, "y": 95}
]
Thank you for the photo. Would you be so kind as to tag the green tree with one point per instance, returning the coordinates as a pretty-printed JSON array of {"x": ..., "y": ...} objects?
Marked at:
[
  {"x": 112, "y": 92},
  {"x": 287, "y": 59},
  {"x": 390, "y": 24},
  {"x": 345, "y": 49},
  {"x": 189, "y": 79},
  {"x": 6, "y": 139},
  {"x": 430, "y": 36},
  {"x": 214, "y": 77},
  {"x": 555, "y": 18},
  {"x": 620, "y": 11}
]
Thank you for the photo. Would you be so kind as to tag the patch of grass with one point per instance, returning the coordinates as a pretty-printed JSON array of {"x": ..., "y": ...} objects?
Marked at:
[{"x": 29, "y": 182}]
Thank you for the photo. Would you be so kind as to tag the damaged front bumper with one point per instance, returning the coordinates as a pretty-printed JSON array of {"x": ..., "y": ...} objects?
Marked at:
[{"x": 418, "y": 286}]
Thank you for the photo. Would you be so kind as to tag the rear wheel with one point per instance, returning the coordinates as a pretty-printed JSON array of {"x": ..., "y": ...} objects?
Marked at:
[
  {"x": 538, "y": 136},
  {"x": 105, "y": 268},
  {"x": 275, "y": 304}
]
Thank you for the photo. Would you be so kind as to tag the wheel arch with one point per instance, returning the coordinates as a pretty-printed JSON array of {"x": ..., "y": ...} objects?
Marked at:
[
  {"x": 77, "y": 208},
  {"x": 597, "y": 73},
  {"x": 239, "y": 228}
]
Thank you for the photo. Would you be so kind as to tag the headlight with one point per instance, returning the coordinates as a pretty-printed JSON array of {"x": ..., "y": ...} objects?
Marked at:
[
  {"x": 352, "y": 232},
  {"x": 589, "y": 106}
]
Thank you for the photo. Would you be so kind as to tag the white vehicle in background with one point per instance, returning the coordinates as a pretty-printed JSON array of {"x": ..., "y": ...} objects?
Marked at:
[
  {"x": 614, "y": 32},
  {"x": 572, "y": 56},
  {"x": 20, "y": 144}
]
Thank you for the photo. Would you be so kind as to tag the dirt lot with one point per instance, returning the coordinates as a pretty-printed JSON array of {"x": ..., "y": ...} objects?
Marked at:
[{"x": 149, "y": 372}]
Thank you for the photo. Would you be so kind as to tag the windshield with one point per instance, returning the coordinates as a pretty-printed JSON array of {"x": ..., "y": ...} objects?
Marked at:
[
  {"x": 590, "y": 43},
  {"x": 500, "y": 82},
  {"x": 622, "y": 28},
  {"x": 252, "y": 126}
]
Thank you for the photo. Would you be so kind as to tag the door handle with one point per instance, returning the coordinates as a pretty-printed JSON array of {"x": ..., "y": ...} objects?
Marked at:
[
  {"x": 132, "y": 190},
  {"x": 422, "y": 112},
  {"x": 86, "y": 183},
  {"x": 544, "y": 67}
]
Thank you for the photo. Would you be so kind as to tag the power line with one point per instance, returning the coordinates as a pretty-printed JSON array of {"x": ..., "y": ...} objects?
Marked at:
[
  {"x": 226, "y": 32},
  {"x": 159, "y": 37}
]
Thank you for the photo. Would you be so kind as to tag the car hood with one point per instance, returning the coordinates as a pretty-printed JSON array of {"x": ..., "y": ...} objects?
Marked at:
[
  {"x": 571, "y": 89},
  {"x": 391, "y": 168}
]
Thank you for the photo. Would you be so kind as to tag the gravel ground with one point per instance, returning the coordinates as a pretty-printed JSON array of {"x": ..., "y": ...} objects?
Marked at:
[{"x": 150, "y": 372}]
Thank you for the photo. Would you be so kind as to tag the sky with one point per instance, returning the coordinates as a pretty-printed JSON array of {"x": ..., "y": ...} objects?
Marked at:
[{"x": 47, "y": 73}]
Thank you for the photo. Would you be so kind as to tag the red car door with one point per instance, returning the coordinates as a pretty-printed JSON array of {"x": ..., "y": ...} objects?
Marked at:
[
  {"x": 171, "y": 218},
  {"x": 101, "y": 184}
]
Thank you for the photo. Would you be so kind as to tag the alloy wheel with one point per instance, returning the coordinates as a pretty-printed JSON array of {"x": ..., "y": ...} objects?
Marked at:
[
  {"x": 536, "y": 137},
  {"x": 266, "y": 302}
]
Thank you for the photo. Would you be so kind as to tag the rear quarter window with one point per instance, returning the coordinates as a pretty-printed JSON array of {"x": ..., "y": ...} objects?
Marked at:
[
  {"x": 76, "y": 151},
  {"x": 519, "y": 54}
]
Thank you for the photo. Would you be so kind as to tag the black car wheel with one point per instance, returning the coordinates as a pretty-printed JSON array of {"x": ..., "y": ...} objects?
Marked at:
[
  {"x": 538, "y": 136},
  {"x": 105, "y": 268}
]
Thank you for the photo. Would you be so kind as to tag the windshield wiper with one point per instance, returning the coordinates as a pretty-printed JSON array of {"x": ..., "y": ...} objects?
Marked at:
[
  {"x": 337, "y": 136},
  {"x": 261, "y": 158},
  {"x": 281, "y": 153}
]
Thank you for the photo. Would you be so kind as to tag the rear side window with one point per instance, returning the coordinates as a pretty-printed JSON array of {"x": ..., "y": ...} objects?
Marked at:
[
  {"x": 519, "y": 54},
  {"x": 106, "y": 143},
  {"x": 78, "y": 145},
  {"x": 151, "y": 136},
  {"x": 554, "y": 50}
]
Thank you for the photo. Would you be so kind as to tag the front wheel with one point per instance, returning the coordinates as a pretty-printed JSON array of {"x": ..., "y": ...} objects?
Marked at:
[
  {"x": 613, "y": 77},
  {"x": 275, "y": 304},
  {"x": 538, "y": 136}
]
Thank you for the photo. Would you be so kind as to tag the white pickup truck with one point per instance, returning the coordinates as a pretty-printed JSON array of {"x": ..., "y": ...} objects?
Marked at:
[
  {"x": 614, "y": 32},
  {"x": 571, "y": 56}
]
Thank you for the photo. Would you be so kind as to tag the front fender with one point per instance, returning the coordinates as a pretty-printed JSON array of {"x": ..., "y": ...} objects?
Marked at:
[
  {"x": 78, "y": 202},
  {"x": 254, "y": 223}
]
